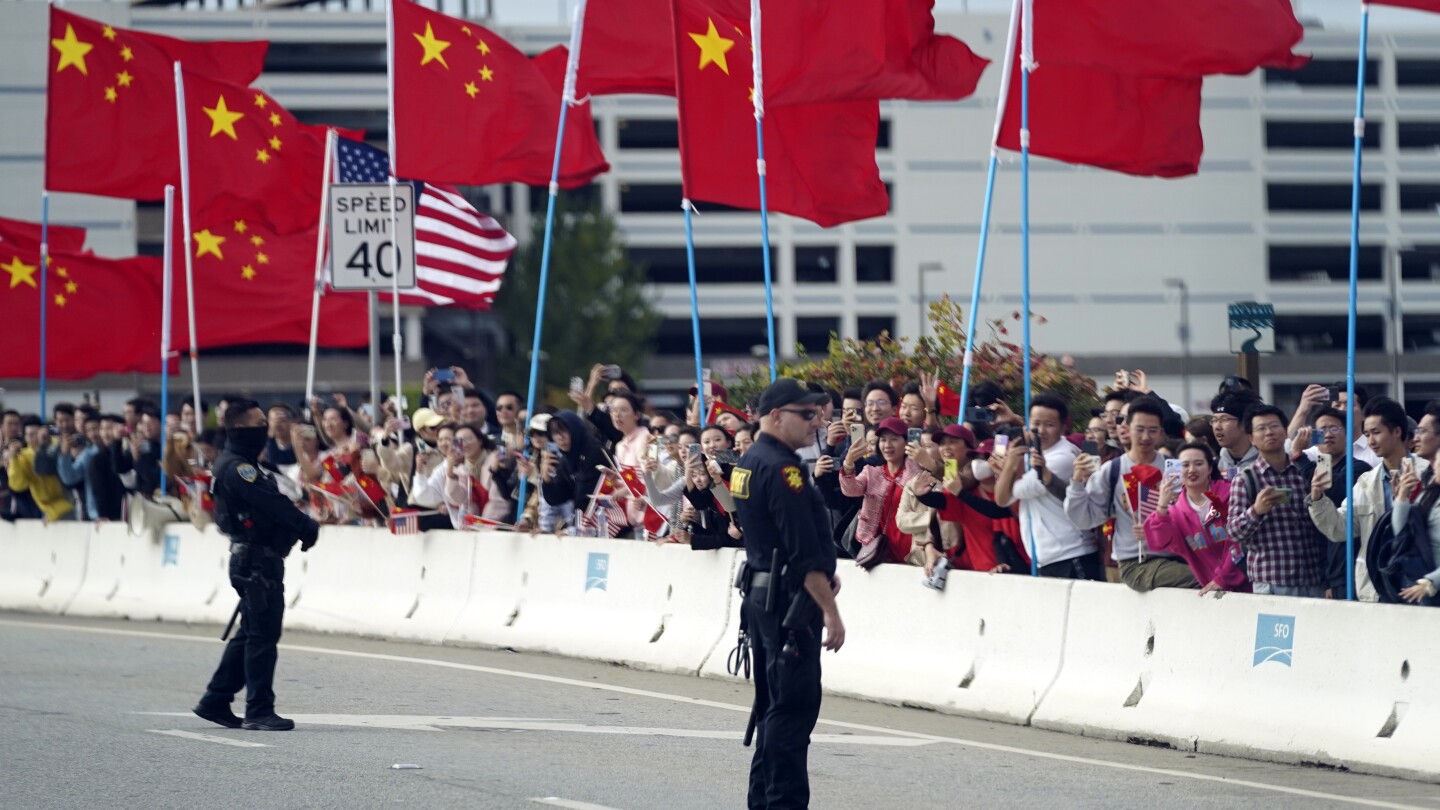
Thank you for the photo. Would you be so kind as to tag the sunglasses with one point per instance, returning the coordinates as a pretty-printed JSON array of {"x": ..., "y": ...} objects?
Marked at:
[{"x": 806, "y": 414}]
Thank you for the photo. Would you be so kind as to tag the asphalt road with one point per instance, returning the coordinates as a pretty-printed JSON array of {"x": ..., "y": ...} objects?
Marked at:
[{"x": 96, "y": 714}]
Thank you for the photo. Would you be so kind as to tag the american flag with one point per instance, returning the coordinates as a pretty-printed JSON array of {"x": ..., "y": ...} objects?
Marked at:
[
  {"x": 405, "y": 523},
  {"x": 460, "y": 254},
  {"x": 604, "y": 498}
]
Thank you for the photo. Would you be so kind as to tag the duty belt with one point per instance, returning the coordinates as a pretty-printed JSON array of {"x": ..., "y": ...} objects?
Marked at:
[{"x": 238, "y": 547}]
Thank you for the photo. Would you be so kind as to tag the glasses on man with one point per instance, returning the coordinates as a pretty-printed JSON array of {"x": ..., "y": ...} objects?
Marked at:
[
  {"x": 806, "y": 414},
  {"x": 1266, "y": 427},
  {"x": 876, "y": 403}
]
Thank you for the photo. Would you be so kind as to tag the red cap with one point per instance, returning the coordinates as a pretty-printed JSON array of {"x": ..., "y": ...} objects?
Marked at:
[
  {"x": 955, "y": 431},
  {"x": 894, "y": 425}
]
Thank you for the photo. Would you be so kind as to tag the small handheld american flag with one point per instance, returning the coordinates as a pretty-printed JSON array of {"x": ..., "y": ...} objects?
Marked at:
[{"x": 405, "y": 521}]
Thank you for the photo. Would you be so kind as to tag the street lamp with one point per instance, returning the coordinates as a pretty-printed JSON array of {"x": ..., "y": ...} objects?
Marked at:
[
  {"x": 1184, "y": 332},
  {"x": 927, "y": 267}
]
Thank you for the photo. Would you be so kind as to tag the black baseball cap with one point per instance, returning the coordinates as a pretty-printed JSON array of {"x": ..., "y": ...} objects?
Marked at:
[{"x": 788, "y": 391}]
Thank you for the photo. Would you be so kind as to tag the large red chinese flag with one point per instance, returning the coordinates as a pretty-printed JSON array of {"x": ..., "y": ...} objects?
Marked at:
[
  {"x": 21, "y": 235},
  {"x": 102, "y": 316},
  {"x": 814, "y": 50},
  {"x": 471, "y": 109},
  {"x": 253, "y": 285},
  {"x": 245, "y": 145},
  {"x": 1141, "y": 125},
  {"x": 1168, "y": 37},
  {"x": 110, "y": 124},
  {"x": 820, "y": 159}
]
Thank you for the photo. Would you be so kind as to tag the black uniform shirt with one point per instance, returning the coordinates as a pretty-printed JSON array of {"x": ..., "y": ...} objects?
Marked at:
[
  {"x": 780, "y": 509},
  {"x": 244, "y": 491}
]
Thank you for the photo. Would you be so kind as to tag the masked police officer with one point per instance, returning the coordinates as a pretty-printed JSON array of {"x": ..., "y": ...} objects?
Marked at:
[
  {"x": 262, "y": 525},
  {"x": 789, "y": 591}
]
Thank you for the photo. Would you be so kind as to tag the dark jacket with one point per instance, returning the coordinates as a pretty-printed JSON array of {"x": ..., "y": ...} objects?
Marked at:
[
  {"x": 577, "y": 474},
  {"x": 146, "y": 467},
  {"x": 711, "y": 527},
  {"x": 104, "y": 485},
  {"x": 250, "y": 508}
]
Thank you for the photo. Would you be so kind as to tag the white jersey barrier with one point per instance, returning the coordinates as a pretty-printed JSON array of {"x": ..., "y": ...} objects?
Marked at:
[{"x": 1292, "y": 680}]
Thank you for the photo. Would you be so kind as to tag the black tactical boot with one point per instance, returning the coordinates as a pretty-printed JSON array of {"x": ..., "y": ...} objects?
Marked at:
[
  {"x": 218, "y": 714},
  {"x": 271, "y": 722}
]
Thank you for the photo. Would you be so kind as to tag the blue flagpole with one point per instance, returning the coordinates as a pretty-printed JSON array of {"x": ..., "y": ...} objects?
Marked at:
[
  {"x": 167, "y": 287},
  {"x": 695, "y": 316},
  {"x": 975, "y": 289},
  {"x": 760, "y": 173},
  {"x": 44, "y": 275},
  {"x": 1026, "y": 65},
  {"x": 567, "y": 98},
  {"x": 1354, "y": 277}
]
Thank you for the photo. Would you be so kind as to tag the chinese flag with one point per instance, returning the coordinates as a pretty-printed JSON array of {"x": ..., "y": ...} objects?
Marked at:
[
  {"x": 1168, "y": 37},
  {"x": 948, "y": 401},
  {"x": 820, "y": 159},
  {"x": 1141, "y": 125},
  {"x": 110, "y": 107},
  {"x": 103, "y": 315},
  {"x": 244, "y": 144},
  {"x": 21, "y": 235},
  {"x": 471, "y": 109},
  {"x": 254, "y": 285}
]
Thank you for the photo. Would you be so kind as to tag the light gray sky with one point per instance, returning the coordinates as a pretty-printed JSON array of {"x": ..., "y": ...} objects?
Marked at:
[{"x": 1333, "y": 14}]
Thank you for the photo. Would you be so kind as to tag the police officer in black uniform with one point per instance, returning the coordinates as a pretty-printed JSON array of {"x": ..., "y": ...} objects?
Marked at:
[
  {"x": 262, "y": 525},
  {"x": 789, "y": 588}
]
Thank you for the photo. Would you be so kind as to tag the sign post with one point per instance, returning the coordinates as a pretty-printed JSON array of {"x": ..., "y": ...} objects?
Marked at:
[{"x": 1252, "y": 333}]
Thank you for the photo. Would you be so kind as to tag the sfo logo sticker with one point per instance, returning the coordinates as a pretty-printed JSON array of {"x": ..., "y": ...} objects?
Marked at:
[{"x": 1274, "y": 639}]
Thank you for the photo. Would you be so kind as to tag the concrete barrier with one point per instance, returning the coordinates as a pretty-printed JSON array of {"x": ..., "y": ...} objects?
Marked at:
[{"x": 44, "y": 565}]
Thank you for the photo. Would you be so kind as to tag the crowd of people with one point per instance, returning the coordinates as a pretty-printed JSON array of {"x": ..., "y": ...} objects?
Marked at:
[{"x": 1246, "y": 498}]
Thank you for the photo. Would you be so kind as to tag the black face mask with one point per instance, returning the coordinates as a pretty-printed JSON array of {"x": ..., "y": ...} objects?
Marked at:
[{"x": 248, "y": 440}]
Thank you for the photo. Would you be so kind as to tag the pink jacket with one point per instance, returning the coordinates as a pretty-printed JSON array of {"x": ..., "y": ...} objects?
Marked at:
[
  {"x": 872, "y": 484},
  {"x": 1205, "y": 545}
]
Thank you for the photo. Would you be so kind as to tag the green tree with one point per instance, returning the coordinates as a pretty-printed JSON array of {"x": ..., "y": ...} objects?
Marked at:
[{"x": 596, "y": 308}]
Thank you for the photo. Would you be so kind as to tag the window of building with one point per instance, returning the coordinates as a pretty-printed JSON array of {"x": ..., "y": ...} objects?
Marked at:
[
  {"x": 718, "y": 336},
  {"x": 817, "y": 265},
  {"x": 1420, "y": 263},
  {"x": 1418, "y": 134},
  {"x": 713, "y": 265},
  {"x": 1319, "y": 196},
  {"x": 584, "y": 195},
  {"x": 1326, "y": 73},
  {"x": 1419, "y": 197},
  {"x": 1324, "y": 262},
  {"x": 1296, "y": 334},
  {"x": 1422, "y": 333},
  {"x": 874, "y": 264},
  {"x": 325, "y": 57},
  {"x": 882, "y": 136},
  {"x": 650, "y": 198},
  {"x": 813, "y": 333},
  {"x": 1319, "y": 134},
  {"x": 1417, "y": 72},
  {"x": 648, "y": 133},
  {"x": 890, "y": 193},
  {"x": 869, "y": 327}
]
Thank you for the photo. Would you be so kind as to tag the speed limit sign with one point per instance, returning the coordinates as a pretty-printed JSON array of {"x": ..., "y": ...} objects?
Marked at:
[{"x": 362, "y": 248}]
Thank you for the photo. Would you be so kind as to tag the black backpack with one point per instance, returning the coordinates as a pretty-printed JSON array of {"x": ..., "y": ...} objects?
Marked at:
[{"x": 1398, "y": 561}]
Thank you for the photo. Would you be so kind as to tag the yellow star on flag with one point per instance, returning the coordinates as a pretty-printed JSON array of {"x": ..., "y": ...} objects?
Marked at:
[
  {"x": 60, "y": 300},
  {"x": 260, "y": 100},
  {"x": 123, "y": 78},
  {"x": 262, "y": 156},
  {"x": 256, "y": 241},
  {"x": 434, "y": 48},
  {"x": 240, "y": 226},
  {"x": 111, "y": 95},
  {"x": 713, "y": 48},
  {"x": 247, "y": 272},
  {"x": 61, "y": 272},
  {"x": 72, "y": 51},
  {"x": 465, "y": 29},
  {"x": 274, "y": 119},
  {"x": 206, "y": 242},
  {"x": 471, "y": 90},
  {"x": 126, "y": 53},
  {"x": 222, "y": 120},
  {"x": 275, "y": 144},
  {"x": 483, "y": 48},
  {"x": 20, "y": 273},
  {"x": 262, "y": 258},
  {"x": 486, "y": 74},
  {"x": 71, "y": 287},
  {"x": 109, "y": 33}
]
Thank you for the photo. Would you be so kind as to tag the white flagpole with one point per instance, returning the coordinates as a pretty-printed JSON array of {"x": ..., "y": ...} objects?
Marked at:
[
  {"x": 189, "y": 255},
  {"x": 319, "y": 263},
  {"x": 396, "y": 340}
]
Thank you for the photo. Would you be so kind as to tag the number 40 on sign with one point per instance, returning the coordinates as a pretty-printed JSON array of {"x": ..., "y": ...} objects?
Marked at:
[{"x": 362, "y": 249}]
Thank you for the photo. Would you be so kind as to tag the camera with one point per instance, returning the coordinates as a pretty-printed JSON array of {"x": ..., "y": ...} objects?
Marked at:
[
  {"x": 444, "y": 375},
  {"x": 979, "y": 415}
]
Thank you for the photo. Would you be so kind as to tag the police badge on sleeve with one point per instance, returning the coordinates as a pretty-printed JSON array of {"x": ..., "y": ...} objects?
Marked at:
[{"x": 247, "y": 472}]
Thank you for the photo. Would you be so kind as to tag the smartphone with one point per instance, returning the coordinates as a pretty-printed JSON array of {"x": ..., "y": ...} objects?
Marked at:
[
  {"x": 1090, "y": 448},
  {"x": 458, "y": 392},
  {"x": 726, "y": 457},
  {"x": 1002, "y": 441},
  {"x": 577, "y": 386},
  {"x": 694, "y": 450},
  {"x": 1333, "y": 394},
  {"x": 552, "y": 448},
  {"x": 1317, "y": 438},
  {"x": 665, "y": 439},
  {"x": 444, "y": 375},
  {"x": 979, "y": 415},
  {"x": 1173, "y": 469},
  {"x": 653, "y": 452},
  {"x": 1284, "y": 494},
  {"x": 610, "y": 372},
  {"x": 952, "y": 468},
  {"x": 913, "y": 435},
  {"x": 1323, "y": 464},
  {"x": 1133, "y": 377},
  {"x": 857, "y": 433},
  {"x": 704, "y": 374},
  {"x": 421, "y": 446}
]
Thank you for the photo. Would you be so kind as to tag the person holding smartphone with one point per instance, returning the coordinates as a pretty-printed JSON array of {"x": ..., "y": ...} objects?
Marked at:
[
  {"x": 1190, "y": 521},
  {"x": 1330, "y": 459},
  {"x": 1387, "y": 431},
  {"x": 881, "y": 488}
]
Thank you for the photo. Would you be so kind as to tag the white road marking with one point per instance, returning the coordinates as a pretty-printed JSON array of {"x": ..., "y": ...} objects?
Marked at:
[
  {"x": 626, "y": 690},
  {"x": 555, "y": 801},
  {"x": 433, "y": 723},
  {"x": 190, "y": 735}
]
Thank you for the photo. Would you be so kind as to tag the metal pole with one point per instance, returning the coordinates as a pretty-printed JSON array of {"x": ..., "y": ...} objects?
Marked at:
[
  {"x": 189, "y": 255},
  {"x": 374, "y": 299},
  {"x": 319, "y": 265},
  {"x": 1027, "y": 64},
  {"x": 396, "y": 341},
  {"x": 695, "y": 316},
  {"x": 44, "y": 288},
  {"x": 759, "y": 96},
  {"x": 167, "y": 297},
  {"x": 1354, "y": 285}
]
